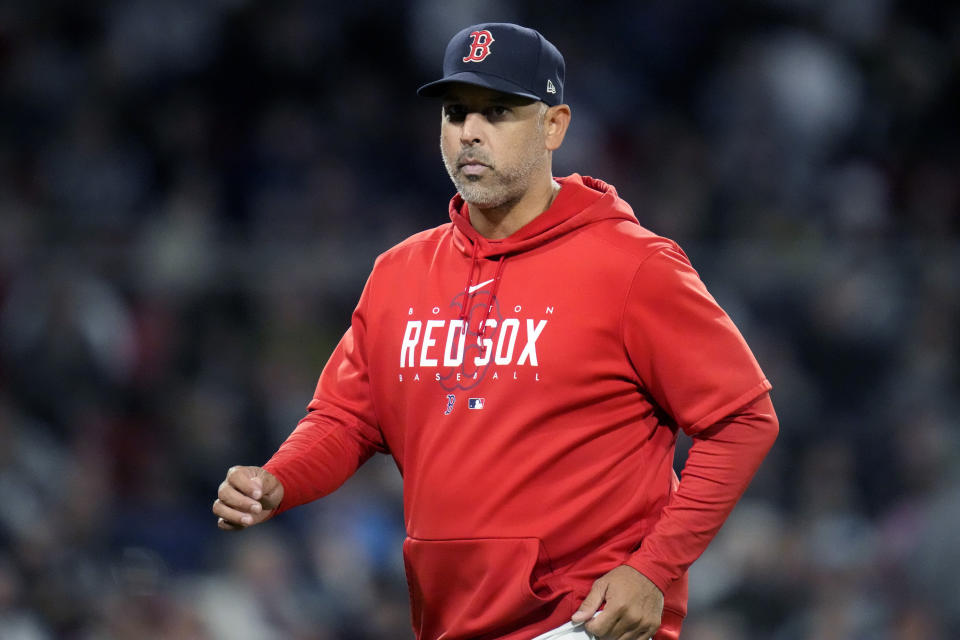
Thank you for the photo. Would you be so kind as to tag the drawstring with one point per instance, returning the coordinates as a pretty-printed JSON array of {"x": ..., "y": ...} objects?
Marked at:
[
  {"x": 493, "y": 296},
  {"x": 464, "y": 310}
]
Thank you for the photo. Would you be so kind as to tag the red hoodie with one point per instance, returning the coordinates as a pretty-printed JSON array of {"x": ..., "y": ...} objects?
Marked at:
[{"x": 530, "y": 391}]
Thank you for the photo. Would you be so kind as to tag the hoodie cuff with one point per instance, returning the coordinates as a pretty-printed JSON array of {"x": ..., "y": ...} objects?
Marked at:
[{"x": 661, "y": 578}]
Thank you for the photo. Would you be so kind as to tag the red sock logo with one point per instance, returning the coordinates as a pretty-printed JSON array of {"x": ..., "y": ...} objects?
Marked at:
[{"x": 480, "y": 47}]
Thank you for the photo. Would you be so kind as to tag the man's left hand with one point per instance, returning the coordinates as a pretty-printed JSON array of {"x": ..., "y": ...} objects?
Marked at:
[{"x": 633, "y": 607}]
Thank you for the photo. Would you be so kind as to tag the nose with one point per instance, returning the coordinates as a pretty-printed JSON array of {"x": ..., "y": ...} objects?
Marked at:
[{"x": 471, "y": 132}]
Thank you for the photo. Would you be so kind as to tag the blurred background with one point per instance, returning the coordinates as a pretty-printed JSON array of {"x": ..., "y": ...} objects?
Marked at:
[{"x": 192, "y": 193}]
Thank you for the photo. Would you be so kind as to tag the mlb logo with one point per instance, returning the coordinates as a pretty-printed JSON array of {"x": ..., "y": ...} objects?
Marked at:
[{"x": 475, "y": 403}]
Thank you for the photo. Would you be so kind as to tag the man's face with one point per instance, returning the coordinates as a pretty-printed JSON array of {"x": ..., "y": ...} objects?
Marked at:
[{"x": 492, "y": 144}]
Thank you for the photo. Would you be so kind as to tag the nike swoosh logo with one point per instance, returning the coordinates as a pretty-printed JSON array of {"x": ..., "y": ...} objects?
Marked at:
[{"x": 477, "y": 286}]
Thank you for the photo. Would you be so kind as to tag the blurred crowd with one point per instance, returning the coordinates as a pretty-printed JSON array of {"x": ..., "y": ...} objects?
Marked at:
[{"x": 192, "y": 193}]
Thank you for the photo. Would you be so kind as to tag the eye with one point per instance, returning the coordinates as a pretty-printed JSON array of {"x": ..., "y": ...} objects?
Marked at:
[
  {"x": 496, "y": 112},
  {"x": 454, "y": 112}
]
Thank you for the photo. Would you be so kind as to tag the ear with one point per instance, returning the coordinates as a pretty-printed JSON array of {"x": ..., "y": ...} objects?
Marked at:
[{"x": 555, "y": 123}]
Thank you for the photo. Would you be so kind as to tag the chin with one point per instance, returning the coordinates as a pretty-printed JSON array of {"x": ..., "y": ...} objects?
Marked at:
[
  {"x": 478, "y": 198},
  {"x": 483, "y": 203}
]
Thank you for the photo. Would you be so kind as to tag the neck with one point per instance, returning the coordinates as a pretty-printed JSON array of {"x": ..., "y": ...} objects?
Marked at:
[{"x": 496, "y": 223}]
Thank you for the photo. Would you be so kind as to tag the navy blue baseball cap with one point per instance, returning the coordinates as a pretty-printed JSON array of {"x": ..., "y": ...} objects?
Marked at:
[{"x": 505, "y": 57}]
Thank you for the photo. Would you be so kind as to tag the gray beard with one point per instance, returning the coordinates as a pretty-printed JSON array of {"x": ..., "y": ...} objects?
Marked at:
[{"x": 498, "y": 187}]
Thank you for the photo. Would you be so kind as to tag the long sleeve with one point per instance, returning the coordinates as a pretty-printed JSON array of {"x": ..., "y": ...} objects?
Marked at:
[
  {"x": 686, "y": 351},
  {"x": 721, "y": 462},
  {"x": 319, "y": 456},
  {"x": 692, "y": 361},
  {"x": 340, "y": 432}
]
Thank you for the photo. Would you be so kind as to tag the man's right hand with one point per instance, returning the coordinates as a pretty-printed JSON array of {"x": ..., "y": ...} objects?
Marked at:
[{"x": 246, "y": 497}]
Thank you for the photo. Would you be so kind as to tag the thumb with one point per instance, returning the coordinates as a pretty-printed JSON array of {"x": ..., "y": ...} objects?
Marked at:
[{"x": 591, "y": 603}]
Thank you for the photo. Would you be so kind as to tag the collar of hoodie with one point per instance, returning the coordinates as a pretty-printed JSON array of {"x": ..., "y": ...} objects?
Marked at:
[{"x": 581, "y": 201}]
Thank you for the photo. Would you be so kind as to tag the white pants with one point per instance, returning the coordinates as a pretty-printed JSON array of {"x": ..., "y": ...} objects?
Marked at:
[{"x": 568, "y": 631}]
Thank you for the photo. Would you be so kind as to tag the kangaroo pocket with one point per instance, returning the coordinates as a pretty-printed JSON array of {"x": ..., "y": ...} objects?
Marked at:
[{"x": 477, "y": 588}]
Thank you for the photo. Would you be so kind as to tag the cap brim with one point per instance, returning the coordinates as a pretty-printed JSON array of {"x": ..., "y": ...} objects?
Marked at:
[{"x": 439, "y": 87}]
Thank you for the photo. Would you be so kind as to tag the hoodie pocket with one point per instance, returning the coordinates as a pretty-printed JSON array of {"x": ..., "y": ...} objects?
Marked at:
[{"x": 479, "y": 587}]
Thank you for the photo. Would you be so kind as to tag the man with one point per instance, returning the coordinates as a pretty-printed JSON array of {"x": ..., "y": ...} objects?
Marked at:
[{"x": 528, "y": 366}]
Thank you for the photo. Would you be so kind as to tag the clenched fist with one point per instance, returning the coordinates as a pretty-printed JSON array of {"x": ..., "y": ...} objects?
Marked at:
[{"x": 246, "y": 497}]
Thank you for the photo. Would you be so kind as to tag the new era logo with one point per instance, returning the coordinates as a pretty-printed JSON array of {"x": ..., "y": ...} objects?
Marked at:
[
  {"x": 550, "y": 87},
  {"x": 475, "y": 403}
]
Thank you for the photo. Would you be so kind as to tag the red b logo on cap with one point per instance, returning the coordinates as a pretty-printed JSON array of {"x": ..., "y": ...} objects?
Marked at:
[{"x": 480, "y": 47}]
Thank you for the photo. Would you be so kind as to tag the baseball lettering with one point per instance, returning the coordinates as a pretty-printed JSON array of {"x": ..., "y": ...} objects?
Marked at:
[
  {"x": 480, "y": 47},
  {"x": 419, "y": 346}
]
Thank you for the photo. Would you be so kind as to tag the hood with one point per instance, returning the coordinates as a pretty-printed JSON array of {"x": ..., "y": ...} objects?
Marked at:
[{"x": 582, "y": 200}]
